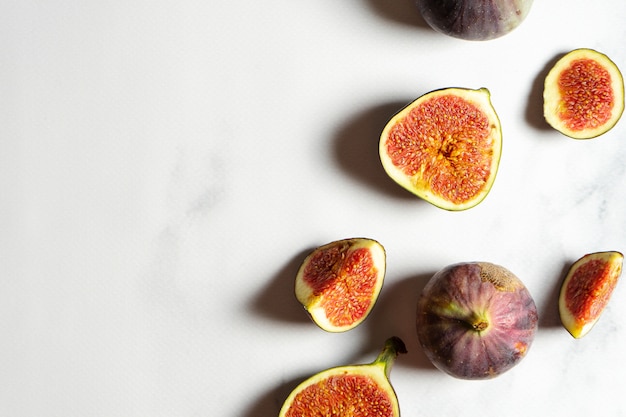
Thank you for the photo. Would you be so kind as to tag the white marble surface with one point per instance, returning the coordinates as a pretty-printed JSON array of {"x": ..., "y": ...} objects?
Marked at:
[{"x": 165, "y": 166}]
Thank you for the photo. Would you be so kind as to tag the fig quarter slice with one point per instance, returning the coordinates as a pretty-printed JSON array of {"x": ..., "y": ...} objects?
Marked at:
[
  {"x": 586, "y": 290},
  {"x": 583, "y": 94},
  {"x": 444, "y": 147},
  {"x": 349, "y": 391},
  {"x": 339, "y": 283}
]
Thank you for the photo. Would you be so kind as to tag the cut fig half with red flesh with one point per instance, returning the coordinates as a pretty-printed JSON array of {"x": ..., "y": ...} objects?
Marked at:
[
  {"x": 583, "y": 95},
  {"x": 349, "y": 391},
  {"x": 444, "y": 147},
  {"x": 586, "y": 290},
  {"x": 339, "y": 283}
]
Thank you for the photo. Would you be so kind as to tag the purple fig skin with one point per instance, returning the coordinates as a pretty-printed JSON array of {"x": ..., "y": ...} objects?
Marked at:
[
  {"x": 476, "y": 320},
  {"x": 476, "y": 20}
]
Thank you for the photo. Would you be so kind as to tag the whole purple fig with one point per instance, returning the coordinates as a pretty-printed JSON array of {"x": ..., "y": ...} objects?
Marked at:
[
  {"x": 474, "y": 19},
  {"x": 475, "y": 320}
]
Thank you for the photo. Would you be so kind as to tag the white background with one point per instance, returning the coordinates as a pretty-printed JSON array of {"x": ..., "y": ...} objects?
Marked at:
[{"x": 165, "y": 167}]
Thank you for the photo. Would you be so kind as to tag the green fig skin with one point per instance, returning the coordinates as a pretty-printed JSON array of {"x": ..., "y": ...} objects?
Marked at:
[
  {"x": 476, "y": 20},
  {"x": 475, "y": 320}
]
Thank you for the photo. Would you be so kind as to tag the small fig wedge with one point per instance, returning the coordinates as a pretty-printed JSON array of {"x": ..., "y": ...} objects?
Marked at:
[
  {"x": 444, "y": 147},
  {"x": 476, "y": 320},
  {"x": 475, "y": 20},
  {"x": 586, "y": 290},
  {"x": 339, "y": 283},
  {"x": 349, "y": 391},
  {"x": 583, "y": 94}
]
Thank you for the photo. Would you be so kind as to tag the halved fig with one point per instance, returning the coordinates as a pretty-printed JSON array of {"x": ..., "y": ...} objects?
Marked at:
[
  {"x": 586, "y": 290},
  {"x": 349, "y": 391},
  {"x": 338, "y": 283},
  {"x": 444, "y": 147},
  {"x": 583, "y": 94}
]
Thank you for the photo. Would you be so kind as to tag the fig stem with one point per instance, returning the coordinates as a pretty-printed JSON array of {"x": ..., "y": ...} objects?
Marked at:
[
  {"x": 478, "y": 322},
  {"x": 393, "y": 347},
  {"x": 480, "y": 325}
]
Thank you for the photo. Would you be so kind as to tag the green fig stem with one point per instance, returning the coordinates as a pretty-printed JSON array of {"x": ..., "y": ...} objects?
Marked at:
[{"x": 393, "y": 347}]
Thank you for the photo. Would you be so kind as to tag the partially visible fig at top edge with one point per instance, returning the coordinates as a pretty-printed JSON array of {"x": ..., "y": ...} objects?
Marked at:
[{"x": 476, "y": 20}]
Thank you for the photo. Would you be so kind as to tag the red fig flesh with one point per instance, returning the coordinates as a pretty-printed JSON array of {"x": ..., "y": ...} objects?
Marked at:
[
  {"x": 338, "y": 283},
  {"x": 583, "y": 94},
  {"x": 349, "y": 391},
  {"x": 586, "y": 290},
  {"x": 444, "y": 147}
]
